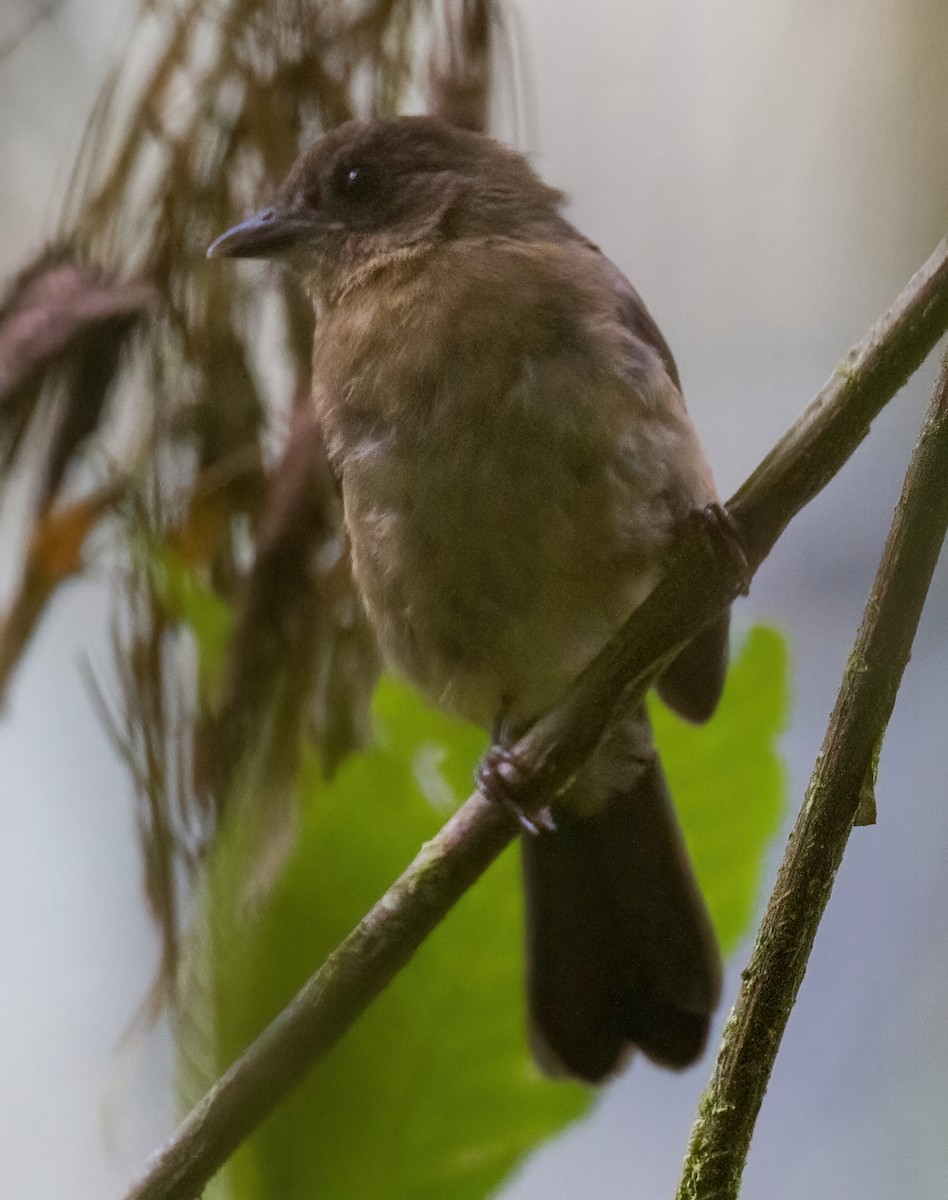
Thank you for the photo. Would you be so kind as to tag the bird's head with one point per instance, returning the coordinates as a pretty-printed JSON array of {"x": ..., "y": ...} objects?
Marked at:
[{"x": 375, "y": 191}]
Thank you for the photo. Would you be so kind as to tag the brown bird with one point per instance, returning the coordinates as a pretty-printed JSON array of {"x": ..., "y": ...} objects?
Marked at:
[{"x": 515, "y": 458}]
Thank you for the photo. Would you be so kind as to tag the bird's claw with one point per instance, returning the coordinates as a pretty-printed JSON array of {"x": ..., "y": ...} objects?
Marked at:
[
  {"x": 717, "y": 524},
  {"x": 499, "y": 776}
]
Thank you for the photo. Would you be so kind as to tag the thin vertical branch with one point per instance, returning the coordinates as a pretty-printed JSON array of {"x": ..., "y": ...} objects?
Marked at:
[{"x": 722, "y": 1133}]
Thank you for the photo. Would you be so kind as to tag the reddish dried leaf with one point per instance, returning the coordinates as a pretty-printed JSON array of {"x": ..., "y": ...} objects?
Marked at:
[
  {"x": 66, "y": 322},
  {"x": 55, "y": 552},
  {"x": 49, "y": 307}
]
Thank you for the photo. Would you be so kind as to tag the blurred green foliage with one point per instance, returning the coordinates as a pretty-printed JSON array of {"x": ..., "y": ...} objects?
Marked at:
[
  {"x": 433, "y": 1094},
  {"x": 195, "y": 606}
]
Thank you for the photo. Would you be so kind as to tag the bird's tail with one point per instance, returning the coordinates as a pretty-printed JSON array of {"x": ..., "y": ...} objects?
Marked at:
[{"x": 620, "y": 949}]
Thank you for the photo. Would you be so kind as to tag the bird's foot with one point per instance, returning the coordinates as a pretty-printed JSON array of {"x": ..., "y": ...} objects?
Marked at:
[
  {"x": 717, "y": 525},
  {"x": 499, "y": 777}
]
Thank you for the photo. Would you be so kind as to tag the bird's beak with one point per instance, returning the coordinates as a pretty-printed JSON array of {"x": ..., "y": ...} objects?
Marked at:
[{"x": 267, "y": 234}]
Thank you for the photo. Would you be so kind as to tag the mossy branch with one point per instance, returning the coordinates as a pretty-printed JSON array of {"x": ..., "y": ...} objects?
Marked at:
[{"x": 702, "y": 578}]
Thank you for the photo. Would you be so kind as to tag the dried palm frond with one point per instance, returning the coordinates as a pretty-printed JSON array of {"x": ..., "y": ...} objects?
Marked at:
[
  {"x": 459, "y": 72},
  {"x": 238, "y": 636},
  {"x": 65, "y": 328}
]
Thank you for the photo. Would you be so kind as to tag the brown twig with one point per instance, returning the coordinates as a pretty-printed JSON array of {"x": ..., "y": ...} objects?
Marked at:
[
  {"x": 702, "y": 578},
  {"x": 722, "y": 1132}
]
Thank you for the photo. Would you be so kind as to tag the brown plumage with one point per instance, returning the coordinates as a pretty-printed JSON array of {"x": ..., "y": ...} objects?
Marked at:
[{"x": 515, "y": 458}]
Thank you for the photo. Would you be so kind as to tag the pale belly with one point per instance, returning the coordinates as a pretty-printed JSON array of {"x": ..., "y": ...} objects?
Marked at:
[{"x": 492, "y": 575}]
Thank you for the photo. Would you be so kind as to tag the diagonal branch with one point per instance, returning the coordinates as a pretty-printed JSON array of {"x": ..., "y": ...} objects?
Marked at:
[
  {"x": 702, "y": 578},
  {"x": 722, "y": 1132}
]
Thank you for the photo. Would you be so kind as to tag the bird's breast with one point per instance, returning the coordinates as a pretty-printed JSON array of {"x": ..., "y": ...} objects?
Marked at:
[
  {"x": 496, "y": 552},
  {"x": 512, "y": 472}
]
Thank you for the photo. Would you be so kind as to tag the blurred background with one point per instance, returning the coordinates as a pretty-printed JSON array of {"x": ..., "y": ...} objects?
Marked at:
[{"x": 769, "y": 177}]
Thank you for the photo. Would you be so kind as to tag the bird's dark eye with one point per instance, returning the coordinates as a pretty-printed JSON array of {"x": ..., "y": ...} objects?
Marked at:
[{"x": 355, "y": 183}]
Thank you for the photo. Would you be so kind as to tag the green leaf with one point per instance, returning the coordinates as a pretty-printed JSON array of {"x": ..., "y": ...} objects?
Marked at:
[
  {"x": 432, "y": 1093},
  {"x": 728, "y": 780}
]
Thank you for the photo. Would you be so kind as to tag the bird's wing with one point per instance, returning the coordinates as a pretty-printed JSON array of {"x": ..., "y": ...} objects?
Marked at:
[{"x": 693, "y": 682}]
